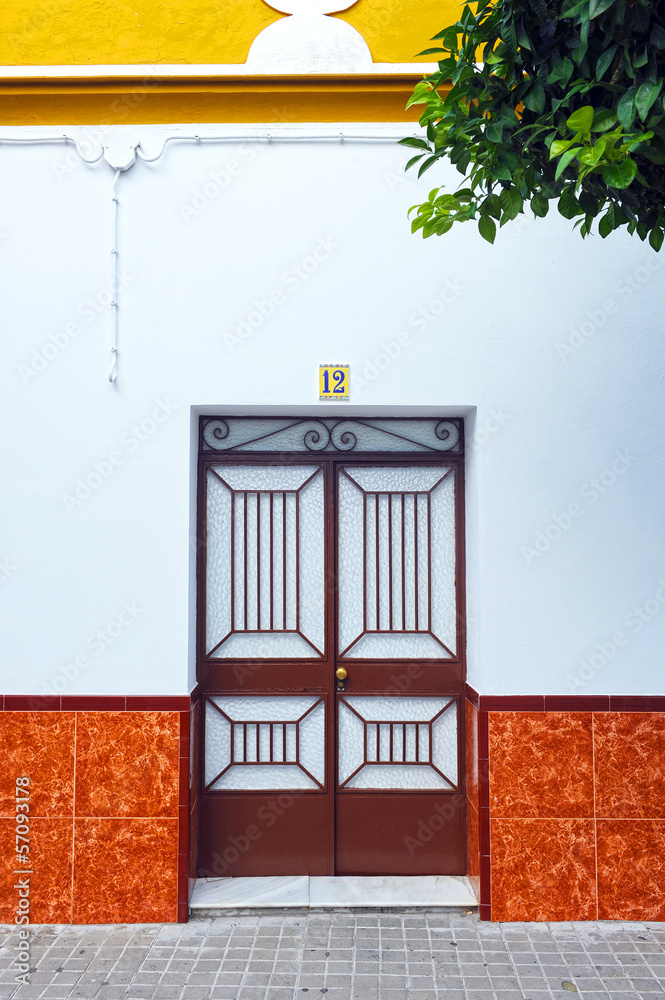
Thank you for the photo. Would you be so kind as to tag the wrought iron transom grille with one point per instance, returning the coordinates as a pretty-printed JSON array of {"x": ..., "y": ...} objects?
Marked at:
[{"x": 330, "y": 434}]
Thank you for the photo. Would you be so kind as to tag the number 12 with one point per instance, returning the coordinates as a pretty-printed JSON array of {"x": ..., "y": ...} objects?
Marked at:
[{"x": 338, "y": 377}]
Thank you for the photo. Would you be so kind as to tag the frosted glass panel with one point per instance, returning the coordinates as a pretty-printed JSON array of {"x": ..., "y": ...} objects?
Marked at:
[
  {"x": 264, "y": 742},
  {"x": 265, "y": 477},
  {"x": 331, "y": 434},
  {"x": 411, "y": 742},
  {"x": 396, "y": 538},
  {"x": 265, "y": 538},
  {"x": 405, "y": 478}
]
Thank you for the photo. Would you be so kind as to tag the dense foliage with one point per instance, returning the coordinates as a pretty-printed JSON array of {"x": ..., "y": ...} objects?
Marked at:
[{"x": 548, "y": 100}]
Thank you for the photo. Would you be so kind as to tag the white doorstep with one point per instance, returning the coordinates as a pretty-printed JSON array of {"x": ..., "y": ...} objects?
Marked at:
[{"x": 322, "y": 892}]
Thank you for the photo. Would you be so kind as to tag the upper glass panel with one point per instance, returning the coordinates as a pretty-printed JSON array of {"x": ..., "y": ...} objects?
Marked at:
[
  {"x": 396, "y": 565},
  {"x": 265, "y": 585},
  {"x": 331, "y": 434}
]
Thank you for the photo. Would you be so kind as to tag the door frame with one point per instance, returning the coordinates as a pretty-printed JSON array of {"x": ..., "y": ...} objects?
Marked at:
[{"x": 207, "y": 668}]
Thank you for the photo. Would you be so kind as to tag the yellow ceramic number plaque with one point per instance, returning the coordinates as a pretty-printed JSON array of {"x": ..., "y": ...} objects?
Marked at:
[{"x": 333, "y": 381}]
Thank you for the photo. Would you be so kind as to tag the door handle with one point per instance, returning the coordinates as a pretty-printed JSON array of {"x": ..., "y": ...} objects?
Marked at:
[{"x": 340, "y": 674}]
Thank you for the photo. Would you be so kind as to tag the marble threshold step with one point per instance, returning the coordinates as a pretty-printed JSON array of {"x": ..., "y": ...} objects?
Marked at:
[{"x": 332, "y": 892}]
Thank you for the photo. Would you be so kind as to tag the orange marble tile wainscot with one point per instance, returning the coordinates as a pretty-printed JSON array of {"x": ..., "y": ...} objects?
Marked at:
[
  {"x": 50, "y": 867},
  {"x": 127, "y": 764},
  {"x": 541, "y": 764},
  {"x": 543, "y": 869},
  {"x": 630, "y": 764},
  {"x": 631, "y": 869},
  {"x": 40, "y": 746},
  {"x": 125, "y": 871}
]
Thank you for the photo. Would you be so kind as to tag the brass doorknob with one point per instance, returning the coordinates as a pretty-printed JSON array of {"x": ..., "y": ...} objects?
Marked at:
[{"x": 340, "y": 674}]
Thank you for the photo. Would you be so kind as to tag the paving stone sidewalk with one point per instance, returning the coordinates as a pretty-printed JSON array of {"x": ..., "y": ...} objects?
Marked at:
[{"x": 344, "y": 956}]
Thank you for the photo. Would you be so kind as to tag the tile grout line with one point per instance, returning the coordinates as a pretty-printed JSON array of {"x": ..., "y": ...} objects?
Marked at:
[
  {"x": 595, "y": 819},
  {"x": 71, "y": 908},
  {"x": 541, "y": 966},
  {"x": 226, "y": 950},
  {"x": 482, "y": 948}
]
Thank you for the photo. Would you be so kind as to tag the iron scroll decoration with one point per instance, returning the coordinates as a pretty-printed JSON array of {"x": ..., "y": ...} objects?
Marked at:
[{"x": 416, "y": 434}]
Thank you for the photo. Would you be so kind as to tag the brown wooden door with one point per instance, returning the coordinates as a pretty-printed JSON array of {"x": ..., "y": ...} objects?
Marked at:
[{"x": 317, "y": 562}]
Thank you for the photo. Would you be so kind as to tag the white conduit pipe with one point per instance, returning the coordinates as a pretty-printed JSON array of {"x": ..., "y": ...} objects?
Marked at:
[
  {"x": 59, "y": 138},
  {"x": 113, "y": 374},
  {"x": 198, "y": 139}
]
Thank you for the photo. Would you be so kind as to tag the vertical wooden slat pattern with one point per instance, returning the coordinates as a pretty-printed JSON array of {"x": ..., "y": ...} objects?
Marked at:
[
  {"x": 390, "y": 564},
  {"x": 258, "y": 560},
  {"x": 416, "y": 566},
  {"x": 284, "y": 559},
  {"x": 272, "y": 574},
  {"x": 297, "y": 559},
  {"x": 245, "y": 499},
  {"x": 233, "y": 560},
  {"x": 403, "y": 499}
]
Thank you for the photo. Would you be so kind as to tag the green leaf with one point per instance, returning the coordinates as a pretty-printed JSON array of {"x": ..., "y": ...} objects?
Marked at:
[
  {"x": 597, "y": 7},
  {"x": 535, "y": 99},
  {"x": 656, "y": 239},
  {"x": 607, "y": 223},
  {"x": 568, "y": 204},
  {"x": 581, "y": 120},
  {"x": 603, "y": 119},
  {"x": 559, "y": 146},
  {"x": 415, "y": 143},
  {"x": 487, "y": 228},
  {"x": 494, "y": 132},
  {"x": 604, "y": 61},
  {"x": 561, "y": 71},
  {"x": 540, "y": 205},
  {"x": 566, "y": 158},
  {"x": 511, "y": 202},
  {"x": 645, "y": 97},
  {"x": 626, "y": 108},
  {"x": 414, "y": 159},
  {"x": 427, "y": 164},
  {"x": 620, "y": 175}
]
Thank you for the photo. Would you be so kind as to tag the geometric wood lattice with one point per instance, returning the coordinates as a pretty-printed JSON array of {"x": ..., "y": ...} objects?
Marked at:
[
  {"x": 265, "y": 550},
  {"x": 264, "y": 742},
  {"x": 397, "y": 562},
  {"x": 406, "y": 742}
]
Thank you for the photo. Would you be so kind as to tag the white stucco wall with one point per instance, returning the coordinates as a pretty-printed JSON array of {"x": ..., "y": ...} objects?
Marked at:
[{"x": 108, "y": 579}]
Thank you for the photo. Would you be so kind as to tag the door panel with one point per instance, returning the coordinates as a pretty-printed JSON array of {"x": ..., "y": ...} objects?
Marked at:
[
  {"x": 286, "y": 833},
  {"x": 312, "y": 562},
  {"x": 400, "y": 834}
]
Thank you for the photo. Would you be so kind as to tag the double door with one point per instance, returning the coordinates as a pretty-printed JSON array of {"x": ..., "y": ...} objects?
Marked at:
[{"x": 331, "y": 664}]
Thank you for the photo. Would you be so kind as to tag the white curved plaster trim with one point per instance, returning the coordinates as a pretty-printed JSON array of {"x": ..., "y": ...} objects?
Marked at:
[
  {"x": 309, "y": 43},
  {"x": 159, "y": 72}
]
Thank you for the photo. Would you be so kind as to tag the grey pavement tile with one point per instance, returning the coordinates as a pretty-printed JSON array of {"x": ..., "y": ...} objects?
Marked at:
[{"x": 201, "y": 979}]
